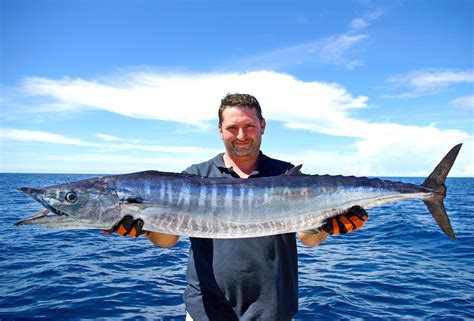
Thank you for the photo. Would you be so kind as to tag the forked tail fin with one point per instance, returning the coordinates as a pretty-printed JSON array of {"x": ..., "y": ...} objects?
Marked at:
[{"x": 436, "y": 182}]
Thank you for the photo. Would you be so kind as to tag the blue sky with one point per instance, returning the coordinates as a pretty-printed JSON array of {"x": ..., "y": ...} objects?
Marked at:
[{"x": 382, "y": 88}]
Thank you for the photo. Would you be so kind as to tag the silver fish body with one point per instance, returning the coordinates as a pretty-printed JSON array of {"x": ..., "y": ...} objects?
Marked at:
[{"x": 189, "y": 205}]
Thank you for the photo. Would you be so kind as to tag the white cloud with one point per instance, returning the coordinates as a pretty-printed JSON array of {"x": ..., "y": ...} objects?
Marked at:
[
  {"x": 107, "y": 138},
  {"x": 12, "y": 134},
  {"x": 112, "y": 138},
  {"x": 364, "y": 21},
  {"x": 464, "y": 102},
  {"x": 333, "y": 50},
  {"x": 397, "y": 161},
  {"x": 161, "y": 148},
  {"x": 192, "y": 99},
  {"x": 420, "y": 83},
  {"x": 39, "y": 136},
  {"x": 358, "y": 23}
]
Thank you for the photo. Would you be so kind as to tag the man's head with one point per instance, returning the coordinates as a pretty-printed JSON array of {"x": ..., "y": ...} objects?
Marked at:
[
  {"x": 241, "y": 126},
  {"x": 240, "y": 101}
]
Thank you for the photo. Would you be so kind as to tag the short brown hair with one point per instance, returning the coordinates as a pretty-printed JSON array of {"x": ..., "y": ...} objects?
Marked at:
[{"x": 241, "y": 101}]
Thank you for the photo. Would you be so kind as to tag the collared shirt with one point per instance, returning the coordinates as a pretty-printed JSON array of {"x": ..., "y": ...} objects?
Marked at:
[{"x": 242, "y": 279}]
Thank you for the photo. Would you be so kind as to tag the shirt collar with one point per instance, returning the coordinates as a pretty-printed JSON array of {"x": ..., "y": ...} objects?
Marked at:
[
  {"x": 219, "y": 161},
  {"x": 262, "y": 164}
]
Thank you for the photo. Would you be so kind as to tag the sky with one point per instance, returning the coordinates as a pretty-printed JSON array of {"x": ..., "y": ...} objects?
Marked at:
[{"x": 365, "y": 88}]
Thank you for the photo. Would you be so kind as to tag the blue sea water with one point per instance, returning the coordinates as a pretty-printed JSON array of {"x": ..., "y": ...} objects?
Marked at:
[{"x": 399, "y": 266}]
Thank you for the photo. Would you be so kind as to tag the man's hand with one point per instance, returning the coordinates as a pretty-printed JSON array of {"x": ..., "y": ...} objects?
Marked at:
[
  {"x": 349, "y": 221},
  {"x": 128, "y": 226}
]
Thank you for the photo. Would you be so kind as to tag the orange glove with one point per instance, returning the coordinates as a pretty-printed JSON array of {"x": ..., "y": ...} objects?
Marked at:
[
  {"x": 128, "y": 226},
  {"x": 349, "y": 221}
]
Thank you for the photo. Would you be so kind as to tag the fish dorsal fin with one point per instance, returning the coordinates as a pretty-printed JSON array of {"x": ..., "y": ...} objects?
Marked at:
[{"x": 295, "y": 171}]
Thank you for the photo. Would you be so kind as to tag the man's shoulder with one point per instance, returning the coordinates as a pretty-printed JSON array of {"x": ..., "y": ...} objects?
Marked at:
[
  {"x": 273, "y": 166},
  {"x": 274, "y": 161},
  {"x": 205, "y": 168}
]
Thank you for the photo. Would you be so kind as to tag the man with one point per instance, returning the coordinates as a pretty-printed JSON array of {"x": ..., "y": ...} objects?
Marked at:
[{"x": 249, "y": 278}]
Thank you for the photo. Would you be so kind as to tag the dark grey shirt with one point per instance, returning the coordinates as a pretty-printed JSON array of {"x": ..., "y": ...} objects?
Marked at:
[{"x": 242, "y": 279}]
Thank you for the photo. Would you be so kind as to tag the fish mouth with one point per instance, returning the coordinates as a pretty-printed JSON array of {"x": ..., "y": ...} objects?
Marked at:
[
  {"x": 49, "y": 212},
  {"x": 33, "y": 219}
]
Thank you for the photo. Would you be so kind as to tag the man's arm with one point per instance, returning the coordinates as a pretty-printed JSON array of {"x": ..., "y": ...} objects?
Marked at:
[
  {"x": 162, "y": 239},
  {"x": 312, "y": 239}
]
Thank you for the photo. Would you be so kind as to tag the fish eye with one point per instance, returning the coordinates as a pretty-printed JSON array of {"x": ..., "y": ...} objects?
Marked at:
[{"x": 71, "y": 197}]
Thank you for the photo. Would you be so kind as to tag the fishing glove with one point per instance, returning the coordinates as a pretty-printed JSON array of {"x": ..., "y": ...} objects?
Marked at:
[
  {"x": 349, "y": 221},
  {"x": 128, "y": 226}
]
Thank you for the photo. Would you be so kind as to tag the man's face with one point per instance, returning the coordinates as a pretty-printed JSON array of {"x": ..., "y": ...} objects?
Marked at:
[{"x": 241, "y": 131}]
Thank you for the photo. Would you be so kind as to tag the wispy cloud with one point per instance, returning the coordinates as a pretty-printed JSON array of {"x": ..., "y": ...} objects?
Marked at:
[
  {"x": 333, "y": 49},
  {"x": 112, "y": 138},
  {"x": 13, "y": 134},
  {"x": 364, "y": 21},
  {"x": 422, "y": 83},
  {"x": 464, "y": 102},
  {"x": 39, "y": 136},
  {"x": 107, "y": 138}
]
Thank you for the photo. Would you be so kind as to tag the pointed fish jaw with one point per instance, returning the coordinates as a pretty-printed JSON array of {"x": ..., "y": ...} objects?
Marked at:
[
  {"x": 37, "y": 218},
  {"x": 47, "y": 215}
]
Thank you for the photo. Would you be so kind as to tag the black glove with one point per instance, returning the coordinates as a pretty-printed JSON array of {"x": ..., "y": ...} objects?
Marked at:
[
  {"x": 349, "y": 221},
  {"x": 128, "y": 226}
]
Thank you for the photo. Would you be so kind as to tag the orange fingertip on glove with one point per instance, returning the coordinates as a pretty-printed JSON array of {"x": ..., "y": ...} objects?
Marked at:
[
  {"x": 347, "y": 224},
  {"x": 356, "y": 221},
  {"x": 333, "y": 227},
  {"x": 121, "y": 230}
]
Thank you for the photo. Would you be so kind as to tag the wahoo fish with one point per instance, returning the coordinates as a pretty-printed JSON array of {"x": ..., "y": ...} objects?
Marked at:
[{"x": 190, "y": 205}]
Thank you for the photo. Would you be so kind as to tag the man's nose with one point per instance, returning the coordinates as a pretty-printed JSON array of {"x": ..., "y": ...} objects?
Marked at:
[{"x": 241, "y": 134}]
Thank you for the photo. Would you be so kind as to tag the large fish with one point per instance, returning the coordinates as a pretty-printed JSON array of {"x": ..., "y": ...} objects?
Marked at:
[{"x": 227, "y": 207}]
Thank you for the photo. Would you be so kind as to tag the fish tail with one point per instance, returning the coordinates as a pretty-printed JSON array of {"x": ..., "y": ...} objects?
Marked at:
[{"x": 436, "y": 182}]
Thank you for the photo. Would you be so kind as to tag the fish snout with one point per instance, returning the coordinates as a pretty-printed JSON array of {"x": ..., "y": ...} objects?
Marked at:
[
  {"x": 29, "y": 190},
  {"x": 32, "y": 192}
]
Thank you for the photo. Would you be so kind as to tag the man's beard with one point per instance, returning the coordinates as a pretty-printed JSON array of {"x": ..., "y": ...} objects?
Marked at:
[{"x": 251, "y": 149}]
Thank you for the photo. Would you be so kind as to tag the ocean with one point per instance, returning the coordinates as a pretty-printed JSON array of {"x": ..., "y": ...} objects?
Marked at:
[{"x": 398, "y": 266}]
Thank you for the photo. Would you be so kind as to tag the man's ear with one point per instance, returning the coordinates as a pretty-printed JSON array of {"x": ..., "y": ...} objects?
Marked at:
[
  {"x": 219, "y": 127},
  {"x": 263, "y": 123}
]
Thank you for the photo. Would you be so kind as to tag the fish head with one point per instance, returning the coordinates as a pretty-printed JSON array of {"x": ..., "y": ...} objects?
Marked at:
[{"x": 83, "y": 204}]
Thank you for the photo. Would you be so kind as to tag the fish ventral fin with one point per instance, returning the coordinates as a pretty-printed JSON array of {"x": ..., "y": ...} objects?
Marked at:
[
  {"x": 435, "y": 181},
  {"x": 294, "y": 171}
]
